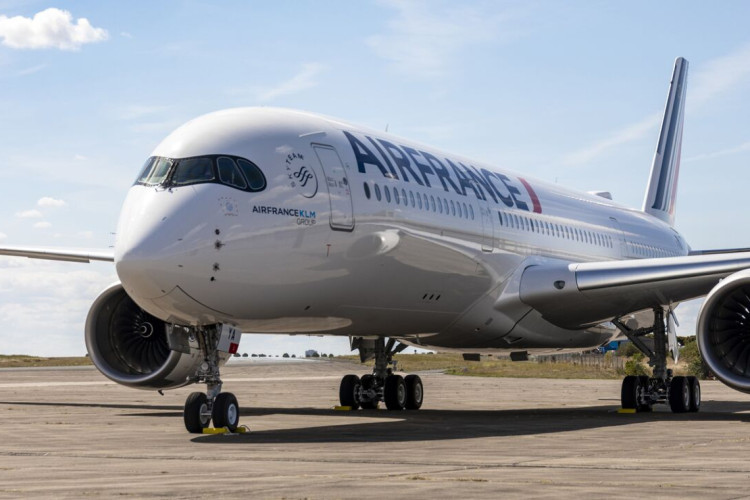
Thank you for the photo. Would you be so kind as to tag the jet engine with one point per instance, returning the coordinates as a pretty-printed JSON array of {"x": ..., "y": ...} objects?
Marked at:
[
  {"x": 132, "y": 347},
  {"x": 723, "y": 331}
]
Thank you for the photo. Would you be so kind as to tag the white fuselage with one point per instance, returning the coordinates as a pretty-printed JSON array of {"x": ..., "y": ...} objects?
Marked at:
[{"x": 361, "y": 233}]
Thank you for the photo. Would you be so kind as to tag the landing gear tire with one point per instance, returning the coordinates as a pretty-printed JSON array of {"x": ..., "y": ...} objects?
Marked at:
[
  {"x": 394, "y": 392},
  {"x": 629, "y": 392},
  {"x": 196, "y": 413},
  {"x": 695, "y": 394},
  {"x": 368, "y": 382},
  {"x": 679, "y": 395},
  {"x": 414, "y": 392},
  {"x": 226, "y": 411},
  {"x": 644, "y": 382},
  {"x": 349, "y": 391}
]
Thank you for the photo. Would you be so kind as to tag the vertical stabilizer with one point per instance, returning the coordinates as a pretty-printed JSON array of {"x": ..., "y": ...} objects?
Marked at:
[{"x": 662, "y": 188}]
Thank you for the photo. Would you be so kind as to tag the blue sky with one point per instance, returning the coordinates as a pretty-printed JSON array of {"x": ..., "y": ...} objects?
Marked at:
[{"x": 563, "y": 91}]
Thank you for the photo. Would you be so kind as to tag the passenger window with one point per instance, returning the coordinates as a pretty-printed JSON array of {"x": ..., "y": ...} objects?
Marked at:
[
  {"x": 192, "y": 170},
  {"x": 377, "y": 192},
  {"x": 396, "y": 196},
  {"x": 432, "y": 203},
  {"x": 453, "y": 208},
  {"x": 254, "y": 176},
  {"x": 367, "y": 191},
  {"x": 419, "y": 201},
  {"x": 229, "y": 173},
  {"x": 471, "y": 211},
  {"x": 387, "y": 194},
  {"x": 440, "y": 205},
  {"x": 403, "y": 196},
  {"x": 445, "y": 205},
  {"x": 466, "y": 212},
  {"x": 411, "y": 198}
]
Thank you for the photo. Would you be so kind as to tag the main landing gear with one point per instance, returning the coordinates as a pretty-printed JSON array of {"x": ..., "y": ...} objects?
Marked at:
[
  {"x": 395, "y": 391},
  {"x": 641, "y": 393},
  {"x": 201, "y": 408}
]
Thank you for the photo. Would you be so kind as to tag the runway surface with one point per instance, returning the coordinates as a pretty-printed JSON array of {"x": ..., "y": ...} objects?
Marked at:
[{"x": 70, "y": 433}]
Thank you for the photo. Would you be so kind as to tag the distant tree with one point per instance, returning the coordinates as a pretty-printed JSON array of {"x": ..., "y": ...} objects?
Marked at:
[
  {"x": 294, "y": 355},
  {"x": 286, "y": 355},
  {"x": 692, "y": 356},
  {"x": 330, "y": 355},
  {"x": 254, "y": 355}
]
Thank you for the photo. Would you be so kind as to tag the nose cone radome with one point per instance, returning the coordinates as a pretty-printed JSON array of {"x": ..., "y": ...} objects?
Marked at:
[{"x": 152, "y": 235}]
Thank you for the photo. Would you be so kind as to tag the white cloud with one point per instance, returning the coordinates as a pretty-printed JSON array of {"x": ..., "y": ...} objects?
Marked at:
[
  {"x": 50, "y": 299},
  {"x": 623, "y": 136},
  {"x": 50, "y": 202},
  {"x": 720, "y": 75},
  {"x": 79, "y": 157},
  {"x": 29, "y": 214},
  {"x": 745, "y": 146},
  {"x": 30, "y": 71},
  {"x": 125, "y": 34},
  {"x": 303, "y": 80},
  {"x": 424, "y": 38},
  {"x": 42, "y": 225},
  {"x": 715, "y": 78},
  {"x": 50, "y": 28}
]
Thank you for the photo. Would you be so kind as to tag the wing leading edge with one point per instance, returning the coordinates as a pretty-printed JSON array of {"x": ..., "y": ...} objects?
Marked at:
[
  {"x": 69, "y": 255},
  {"x": 574, "y": 295}
]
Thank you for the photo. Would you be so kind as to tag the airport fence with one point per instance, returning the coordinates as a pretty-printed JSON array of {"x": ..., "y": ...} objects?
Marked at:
[{"x": 585, "y": 359}]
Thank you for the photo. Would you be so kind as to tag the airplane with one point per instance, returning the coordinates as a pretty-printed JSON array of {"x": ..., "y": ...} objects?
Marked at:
[{"x": 263, "y": 220}]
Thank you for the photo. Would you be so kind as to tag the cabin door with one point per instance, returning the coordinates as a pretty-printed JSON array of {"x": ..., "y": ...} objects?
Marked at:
[{"x": 339, "y": 191}]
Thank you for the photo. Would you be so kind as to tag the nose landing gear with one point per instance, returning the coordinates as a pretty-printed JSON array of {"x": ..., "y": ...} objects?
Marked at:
[
  {"x": 397, "y": 392},
  {"x": 221, "y": 407}
]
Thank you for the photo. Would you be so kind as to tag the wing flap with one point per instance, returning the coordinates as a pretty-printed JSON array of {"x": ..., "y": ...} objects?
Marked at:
[
  {"x": 577, "y": 295},
  {"x": 68, "y": 255}
]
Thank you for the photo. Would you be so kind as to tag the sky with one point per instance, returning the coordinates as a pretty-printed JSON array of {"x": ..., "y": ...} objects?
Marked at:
[{"x": 569, "y": 92}]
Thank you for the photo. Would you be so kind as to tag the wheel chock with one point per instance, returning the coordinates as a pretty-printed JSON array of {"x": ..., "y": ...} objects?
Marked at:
[
  {"x": 626, "y": 410},
  {"x": 223, "y": 430},
  {"x": 343, "y": 408}
]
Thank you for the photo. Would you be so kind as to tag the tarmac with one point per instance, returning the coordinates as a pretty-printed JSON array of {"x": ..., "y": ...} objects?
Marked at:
[{"x": 71, "y": 433}]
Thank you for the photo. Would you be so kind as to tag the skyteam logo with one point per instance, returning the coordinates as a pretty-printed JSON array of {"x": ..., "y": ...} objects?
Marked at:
[{"x": 301, "y": 177}]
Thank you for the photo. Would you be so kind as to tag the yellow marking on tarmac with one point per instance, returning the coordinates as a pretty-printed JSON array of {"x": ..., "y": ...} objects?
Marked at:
[
  {"x": 626, "y": 410},
  {"x": 223, "y": 430}
]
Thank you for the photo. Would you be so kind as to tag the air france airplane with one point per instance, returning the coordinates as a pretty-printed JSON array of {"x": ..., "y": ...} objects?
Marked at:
[{"x": 279, "y": 221}]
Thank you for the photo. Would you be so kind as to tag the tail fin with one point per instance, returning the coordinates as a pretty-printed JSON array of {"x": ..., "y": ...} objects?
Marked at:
[{"x": 662, "y": 188}]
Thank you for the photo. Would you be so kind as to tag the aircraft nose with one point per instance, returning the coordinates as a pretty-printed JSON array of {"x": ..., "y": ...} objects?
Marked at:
[{"x": 152, "y": 235}]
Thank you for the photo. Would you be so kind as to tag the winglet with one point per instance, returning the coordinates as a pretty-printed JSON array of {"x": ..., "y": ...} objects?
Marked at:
[{"x": 662, "y": 188}]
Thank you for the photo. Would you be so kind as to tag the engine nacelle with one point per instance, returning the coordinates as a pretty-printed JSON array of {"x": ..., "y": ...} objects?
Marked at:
[
  {"x": 723, "y": 331},
  {"x": 131, "y": 347}
]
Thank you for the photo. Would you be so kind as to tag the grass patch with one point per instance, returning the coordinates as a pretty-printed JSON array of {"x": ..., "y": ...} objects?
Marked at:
[
  {"x": 454, "y": 364},
  {"x": 22, "y": 361}
]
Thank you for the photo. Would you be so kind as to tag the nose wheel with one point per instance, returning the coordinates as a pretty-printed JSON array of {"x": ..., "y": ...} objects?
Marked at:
[
  {"x": 198, "y": 413},
  {"x": 202, "y": 408}
]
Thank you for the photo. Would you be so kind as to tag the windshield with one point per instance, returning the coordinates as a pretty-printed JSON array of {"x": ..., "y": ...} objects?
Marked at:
[{"x": 231, "y": 171}]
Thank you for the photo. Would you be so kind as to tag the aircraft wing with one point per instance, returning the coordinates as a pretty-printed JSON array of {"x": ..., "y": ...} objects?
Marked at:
[
  {"x": 573, "y": 295},
  {"x": 70, "y": 255}
]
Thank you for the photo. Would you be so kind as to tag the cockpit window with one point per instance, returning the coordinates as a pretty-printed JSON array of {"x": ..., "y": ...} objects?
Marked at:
[
  {"x": 155, "y": 171},
  {"x": 253, "y": 174},
  {"x": 231, "y": 171},
  {"x": 192, "y": 171}
]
